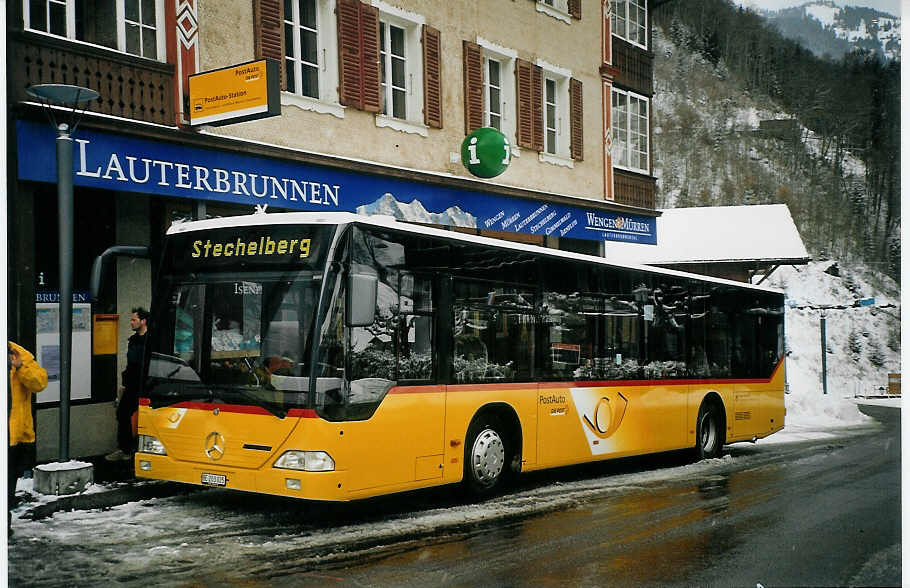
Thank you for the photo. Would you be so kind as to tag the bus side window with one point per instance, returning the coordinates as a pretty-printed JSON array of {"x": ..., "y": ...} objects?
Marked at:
[{"x": 415, "y": 332}]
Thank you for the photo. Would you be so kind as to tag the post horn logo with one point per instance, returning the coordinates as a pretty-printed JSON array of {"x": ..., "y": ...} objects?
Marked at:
[
  {"x": 214, "y": 446},
  {"x": 607, "y": 415}
]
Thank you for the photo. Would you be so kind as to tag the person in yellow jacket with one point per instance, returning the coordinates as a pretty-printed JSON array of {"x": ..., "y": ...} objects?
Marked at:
[{"x": 26, "y": 377}]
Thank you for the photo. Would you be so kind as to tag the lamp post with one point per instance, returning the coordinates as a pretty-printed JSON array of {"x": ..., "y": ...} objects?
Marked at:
[{"x": 69, "y": 97}]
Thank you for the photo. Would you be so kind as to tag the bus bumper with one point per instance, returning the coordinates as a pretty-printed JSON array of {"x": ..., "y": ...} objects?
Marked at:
[{"x": 280, "y": 482}]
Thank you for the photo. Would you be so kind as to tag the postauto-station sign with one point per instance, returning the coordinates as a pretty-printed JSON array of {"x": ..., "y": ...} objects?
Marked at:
[{"x": 132, "y": 164}]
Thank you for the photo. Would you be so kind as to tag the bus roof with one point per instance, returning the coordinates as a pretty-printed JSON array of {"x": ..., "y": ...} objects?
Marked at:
[{"x": 390, "y": 222}]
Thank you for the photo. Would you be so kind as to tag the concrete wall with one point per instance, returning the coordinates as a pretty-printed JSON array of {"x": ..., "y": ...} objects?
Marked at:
[
  {"x": 226, "y": 38},
  {"x": 93, "y": 431}
]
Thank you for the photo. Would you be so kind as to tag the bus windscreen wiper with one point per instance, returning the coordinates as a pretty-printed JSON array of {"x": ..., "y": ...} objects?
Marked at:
[
  {"x": 273, "y": 407},
  {"x": 165, "y": 393}
]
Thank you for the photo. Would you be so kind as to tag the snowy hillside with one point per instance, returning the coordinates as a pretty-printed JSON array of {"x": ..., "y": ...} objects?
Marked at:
[
  {"x": 826, "y": 28},
  {"x": 863, "y": 341}
]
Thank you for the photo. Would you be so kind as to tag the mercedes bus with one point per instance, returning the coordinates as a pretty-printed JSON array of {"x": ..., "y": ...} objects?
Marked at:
[{"x": 334, "y": 356}]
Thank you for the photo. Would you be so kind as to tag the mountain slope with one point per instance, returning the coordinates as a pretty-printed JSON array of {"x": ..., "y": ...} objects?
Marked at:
[
  {"x": 830, "y": 30},
  {"x": 718, "y": 142}
]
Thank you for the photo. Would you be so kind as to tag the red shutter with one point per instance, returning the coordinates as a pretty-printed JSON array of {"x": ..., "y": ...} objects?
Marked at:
[
  {"x": 473, "y": 87},
  {"x": 537, "y": 106},
  {"x": 268, "y": 28},
  {"x": 432, "y": 78},
  {"x": 576, "y": 124},
  {"x": 575, "y": 8},
  {"x": 358, "y": 55},
  {"x": 349, "y": 76},
  {"x": 524, "y": 111},
  {"x": 369, "y": 44}
]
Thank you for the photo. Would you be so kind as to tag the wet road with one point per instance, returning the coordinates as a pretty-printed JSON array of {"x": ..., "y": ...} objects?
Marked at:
[
  {"x": 830, "y": 517},
  {"x": 823, "y": 512}
]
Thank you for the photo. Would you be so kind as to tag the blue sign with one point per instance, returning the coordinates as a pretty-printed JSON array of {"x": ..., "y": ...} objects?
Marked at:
[
  {"x": 132, "y": 164},
  {"x": 54, "y": 296}
]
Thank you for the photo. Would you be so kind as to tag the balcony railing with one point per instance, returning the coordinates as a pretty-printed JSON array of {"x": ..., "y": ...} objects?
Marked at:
[
  {"x": 129, "y": 86},
  {"x": 633, "y": 189},
  {"x": 635, "y": 67}
]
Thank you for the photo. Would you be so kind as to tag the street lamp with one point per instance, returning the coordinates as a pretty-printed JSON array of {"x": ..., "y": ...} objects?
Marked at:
[{"x": 70, "y": 97}]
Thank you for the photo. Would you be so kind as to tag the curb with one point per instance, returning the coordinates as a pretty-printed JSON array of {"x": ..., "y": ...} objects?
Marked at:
[{"x": 107, "y": 498}]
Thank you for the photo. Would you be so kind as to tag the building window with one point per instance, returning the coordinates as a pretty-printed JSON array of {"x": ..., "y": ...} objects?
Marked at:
[
  {"x": 555, "y": 110},
  {"x": 301, "y": 45},
  {"x": 630, "y": 131},
  {"x": 129, "y": 26},
  {"x": 560, "y": 9},
  {"x": 492, "y": 92},
  {"x": 630, "y": 21},
  {"x": 561, "y": 5},
  {"x": 489, "y": 87},
  {"x": 310, "y": 56},
  {"x": 550, "y": 104},
  {"x": 392, "y": 57}
]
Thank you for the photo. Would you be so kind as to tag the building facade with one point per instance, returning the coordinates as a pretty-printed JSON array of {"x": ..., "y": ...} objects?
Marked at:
[{"x": 376, "y": 98}]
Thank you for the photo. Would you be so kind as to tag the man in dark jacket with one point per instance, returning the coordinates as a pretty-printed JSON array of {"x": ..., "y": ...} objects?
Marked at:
[{"x": 129, "y": 389}]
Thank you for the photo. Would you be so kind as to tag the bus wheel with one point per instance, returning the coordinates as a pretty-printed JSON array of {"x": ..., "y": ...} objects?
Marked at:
[
  {"x": 486, "y": 456},
  {"x": 708, "y": 433}
]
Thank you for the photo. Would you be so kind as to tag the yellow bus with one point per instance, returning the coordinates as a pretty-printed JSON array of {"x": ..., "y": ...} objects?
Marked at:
[{"x": 336, "y": 357}]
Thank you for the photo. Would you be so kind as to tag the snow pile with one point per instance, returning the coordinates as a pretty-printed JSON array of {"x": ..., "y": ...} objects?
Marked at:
[{"x": 863, "y": 342}]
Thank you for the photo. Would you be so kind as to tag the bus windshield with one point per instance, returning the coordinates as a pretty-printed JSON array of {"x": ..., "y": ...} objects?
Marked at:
[{"x": 238, "y": 337}]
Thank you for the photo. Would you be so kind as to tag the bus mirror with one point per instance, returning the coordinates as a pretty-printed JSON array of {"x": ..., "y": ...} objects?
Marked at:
[{"x": 360, "y": 299}]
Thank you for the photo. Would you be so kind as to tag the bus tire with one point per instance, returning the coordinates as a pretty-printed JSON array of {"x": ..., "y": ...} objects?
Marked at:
[
  {"x": 709, "y": 432},
  {"x": 487, "y": 456}
]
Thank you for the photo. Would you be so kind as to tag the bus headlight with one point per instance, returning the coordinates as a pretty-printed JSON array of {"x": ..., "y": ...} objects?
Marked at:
[
  {"x": 306, "y": 461},
  {"x": 148, "y": 444}
]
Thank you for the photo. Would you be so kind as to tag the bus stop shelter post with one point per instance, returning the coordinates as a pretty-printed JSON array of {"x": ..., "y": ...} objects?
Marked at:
[{"x": 821, "y": 321}]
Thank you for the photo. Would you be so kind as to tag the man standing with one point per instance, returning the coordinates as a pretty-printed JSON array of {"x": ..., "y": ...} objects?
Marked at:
[
  {"x": 26, "y": 377},
  {"x": 129, "y": 389}
]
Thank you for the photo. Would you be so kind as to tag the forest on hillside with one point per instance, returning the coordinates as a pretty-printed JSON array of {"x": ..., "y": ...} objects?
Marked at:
[{"x": 839, "y": 170}]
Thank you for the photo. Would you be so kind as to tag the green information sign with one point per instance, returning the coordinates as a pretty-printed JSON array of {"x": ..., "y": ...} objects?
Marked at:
[{"x": 486, "y": 152}]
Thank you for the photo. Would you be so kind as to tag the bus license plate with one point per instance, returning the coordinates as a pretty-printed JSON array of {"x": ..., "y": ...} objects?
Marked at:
[{"x": 214, "y": 479}]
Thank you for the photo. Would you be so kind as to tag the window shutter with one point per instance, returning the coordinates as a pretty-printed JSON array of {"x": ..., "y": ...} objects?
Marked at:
[
  {"x": 432, "y": 78},
  {"x": 576, "y": 124},
  {"x": 473, "y": 87},
  {"x": 369, "y": 43},
  {"x": 268, "y": 28},
  {"x": 358, "y": 56},
  {"x": 537, "y": 107},
  {"x": 529, "y": 86},
  {"x": 575, "y": 8}
]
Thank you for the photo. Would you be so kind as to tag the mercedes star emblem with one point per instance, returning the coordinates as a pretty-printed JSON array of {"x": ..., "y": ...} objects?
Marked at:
[{"x": 214, "y": 446}]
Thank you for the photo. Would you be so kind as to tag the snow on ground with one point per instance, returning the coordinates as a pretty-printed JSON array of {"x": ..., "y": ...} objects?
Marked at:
[{"x": 859, "y": 357}]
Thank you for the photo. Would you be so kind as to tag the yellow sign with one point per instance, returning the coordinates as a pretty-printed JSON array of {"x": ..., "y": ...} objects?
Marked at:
[{"x": 235, "y": 94}]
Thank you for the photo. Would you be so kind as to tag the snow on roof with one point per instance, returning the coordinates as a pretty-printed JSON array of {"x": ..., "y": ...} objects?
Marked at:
[{"x": 719, "y": 234}]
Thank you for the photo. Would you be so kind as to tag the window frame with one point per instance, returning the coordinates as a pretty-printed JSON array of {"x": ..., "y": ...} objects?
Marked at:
[
  {"x": 327, "y": 101},
  {"x": 412, "y": 25},
  {"x": 562, "y": 151},
  {"x": 627, "y": 129},
  {"x": 506, "y": 58},
  {"x": 616, "y": 17},
  {"x": 558, "y": 9},
  {"x": 120, "y": 16}
]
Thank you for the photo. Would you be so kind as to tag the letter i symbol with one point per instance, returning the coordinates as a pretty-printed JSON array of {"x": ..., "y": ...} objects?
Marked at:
[{"x": 472, "y": 148}]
